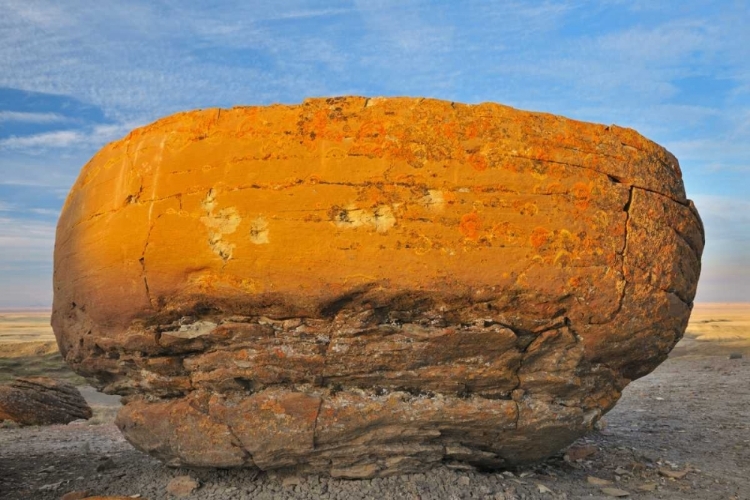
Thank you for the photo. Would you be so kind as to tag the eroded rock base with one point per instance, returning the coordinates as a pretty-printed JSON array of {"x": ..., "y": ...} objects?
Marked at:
[
  {"x": 352, "y": 433},
  {"x": 356, "y": 397}
]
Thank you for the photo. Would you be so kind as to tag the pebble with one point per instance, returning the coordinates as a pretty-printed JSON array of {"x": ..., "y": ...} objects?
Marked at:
[
  {"x": 598, "y": 481},
  {"x": 615, "y": 492},
  {"x": 648, "y": 487},
  {"x": 292, "y": 481},
  {"x": 182, "y": 486},
  {"x": 543, "y": 489}
]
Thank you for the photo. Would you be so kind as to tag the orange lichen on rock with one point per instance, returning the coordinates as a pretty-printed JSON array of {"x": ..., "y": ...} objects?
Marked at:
[{"x": 364, "y": 287}]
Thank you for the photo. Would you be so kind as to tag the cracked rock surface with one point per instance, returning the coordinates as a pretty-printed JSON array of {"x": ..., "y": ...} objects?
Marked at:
[{"x": 363, "y": 287}]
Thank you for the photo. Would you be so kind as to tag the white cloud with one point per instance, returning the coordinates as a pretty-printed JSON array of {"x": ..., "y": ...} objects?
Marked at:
[
  {"x": 713, "y": 154},
  {"x": 725, "y": 217},
  {"x": 24, "y": 241},
  {"x": 47, "y": 212},
  {"x": 17, "y": 116},
  {"x": 669, "y": 43},
  {"x": 57, "y": 139},
  {"x": 308, "y": 13},
  {"x": 97, "y": 136},
  {"x": 45, "y": 15}
]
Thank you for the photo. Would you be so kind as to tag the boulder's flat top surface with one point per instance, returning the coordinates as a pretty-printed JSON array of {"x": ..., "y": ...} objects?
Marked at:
[{"x": 302, "y": 205}]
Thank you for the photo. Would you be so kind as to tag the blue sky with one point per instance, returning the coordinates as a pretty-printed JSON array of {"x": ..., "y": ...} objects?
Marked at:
[{"x": 75, "y": 75}]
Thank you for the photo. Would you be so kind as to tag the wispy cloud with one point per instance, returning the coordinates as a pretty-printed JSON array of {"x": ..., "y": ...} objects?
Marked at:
[
  {"x": 26, "y": 248},
  {"x": 726, "y": 218},
  {"x": 17, "y": 116},
  {"x": 308, "y": 13},
  {"x": 678, "y": 71},
  {"x": 57, "y": 139},
  {"x": 37, "y": 143},
  {"x": 23, "y": 240}
]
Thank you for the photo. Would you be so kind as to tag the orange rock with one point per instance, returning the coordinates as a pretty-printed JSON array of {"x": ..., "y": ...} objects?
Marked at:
[{"x": 369, "y": 286}]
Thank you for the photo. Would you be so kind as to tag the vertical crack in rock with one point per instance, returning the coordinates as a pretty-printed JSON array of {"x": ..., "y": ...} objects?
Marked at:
[
  {"x": 624, "y": 253},
  {"x": 247, "y": 457},
  {"x": 623, "y": 266},
  {"x": 142, "y": 261},
  {"x": 315, "y": 424},
  {"x": 235, "y": 441}
]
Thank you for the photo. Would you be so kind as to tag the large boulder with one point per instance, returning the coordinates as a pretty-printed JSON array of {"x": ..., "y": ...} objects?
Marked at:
[
  {"x": 42, "y": 401},
  {"x": 363, "y": 287}
]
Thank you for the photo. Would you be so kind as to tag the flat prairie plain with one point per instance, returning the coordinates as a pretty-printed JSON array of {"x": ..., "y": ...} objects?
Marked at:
[
  {"x": 716, "y": 329},
  {"x": 28, "y": 348}
]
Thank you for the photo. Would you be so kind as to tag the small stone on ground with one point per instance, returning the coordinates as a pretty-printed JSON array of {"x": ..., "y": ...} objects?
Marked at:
[{"x": 182, "y": 486}]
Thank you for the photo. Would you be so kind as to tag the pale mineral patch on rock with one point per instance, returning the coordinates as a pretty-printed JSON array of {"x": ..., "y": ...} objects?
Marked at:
[{"x": 364, "y": 287}]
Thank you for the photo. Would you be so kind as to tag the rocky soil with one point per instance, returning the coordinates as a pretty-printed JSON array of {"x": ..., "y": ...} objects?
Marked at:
[{"x": 682, "y": 432}]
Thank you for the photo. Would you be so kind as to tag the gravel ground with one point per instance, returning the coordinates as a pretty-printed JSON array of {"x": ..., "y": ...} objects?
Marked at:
[{"x": 683, "y": 432}]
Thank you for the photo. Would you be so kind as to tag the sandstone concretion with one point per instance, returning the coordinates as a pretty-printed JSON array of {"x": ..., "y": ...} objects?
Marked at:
[
  {"x": 42, "y": 401},
  {"x": 362, "y": 287}
]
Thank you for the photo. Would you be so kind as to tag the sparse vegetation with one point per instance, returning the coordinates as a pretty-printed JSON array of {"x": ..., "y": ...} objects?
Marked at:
[{"x": 42, "y": 365}]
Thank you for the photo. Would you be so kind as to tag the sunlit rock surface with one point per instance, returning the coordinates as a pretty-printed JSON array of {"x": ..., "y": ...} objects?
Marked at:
[{"x": 362, "y": 287}]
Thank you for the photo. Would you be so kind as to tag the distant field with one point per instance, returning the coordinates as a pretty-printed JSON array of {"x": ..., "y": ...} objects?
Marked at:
[
  {"x": 23, "y": 326},
  {"x": 717, "y": 330},
  {"x": 28, "y": 347}
]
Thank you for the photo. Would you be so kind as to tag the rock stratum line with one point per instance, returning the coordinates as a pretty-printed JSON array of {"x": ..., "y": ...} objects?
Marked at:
[{"x": 363, "y": 287}]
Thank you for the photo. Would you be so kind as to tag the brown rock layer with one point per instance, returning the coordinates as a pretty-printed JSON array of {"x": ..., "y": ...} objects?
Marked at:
[
  {"x": 363, "y": 287},
  {"x": 42, "y": 401}
]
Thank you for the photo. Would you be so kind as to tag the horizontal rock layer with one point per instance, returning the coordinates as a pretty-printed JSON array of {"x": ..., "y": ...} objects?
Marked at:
[{"x": 370, "y": 286}]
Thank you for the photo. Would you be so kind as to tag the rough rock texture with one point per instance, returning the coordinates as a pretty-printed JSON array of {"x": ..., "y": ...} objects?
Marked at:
[
  {"x": 42, "y": 401},
  {"x": 363, "y": 287}
]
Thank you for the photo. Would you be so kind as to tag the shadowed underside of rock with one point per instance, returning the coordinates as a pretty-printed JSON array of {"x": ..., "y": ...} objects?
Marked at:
[
  {"x": 364, "y": 287},
  {"x": 42, "y": 401}
]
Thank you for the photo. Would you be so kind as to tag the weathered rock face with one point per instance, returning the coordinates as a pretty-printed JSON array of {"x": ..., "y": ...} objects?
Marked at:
[
  {"x": 42, "y": 401},
  {"x": 364, "y": 287}
]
